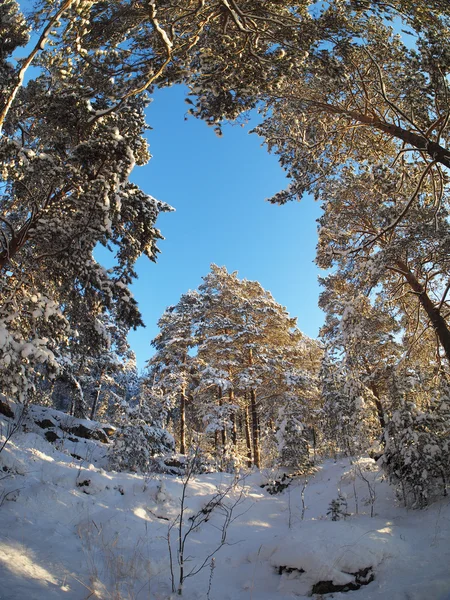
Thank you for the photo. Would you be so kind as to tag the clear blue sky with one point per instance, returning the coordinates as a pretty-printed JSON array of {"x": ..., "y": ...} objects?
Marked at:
[{"x": 218, "y": 187}]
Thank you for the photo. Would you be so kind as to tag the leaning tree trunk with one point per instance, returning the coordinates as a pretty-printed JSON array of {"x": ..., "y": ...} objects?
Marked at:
[
  {"x": 434, "y": 314},
  {"x": 435, "y": 151}
]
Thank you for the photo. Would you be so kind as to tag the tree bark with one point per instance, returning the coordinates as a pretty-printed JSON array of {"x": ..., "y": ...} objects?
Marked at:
[
  {"x": 216, "y": 440},
  {"x": 183, "y": 421},
  {"x": 248, "y": 437},
  {"x": 233, "y": 419},
  {"x": 223, "y": 430},
  {"x": 78, "y": 406},
  {"x": 255, "y": 421},
  {"x": 376, "y": 396},
  {"x": 255, "y": 430},
  {"x": 97, "y": 396}
]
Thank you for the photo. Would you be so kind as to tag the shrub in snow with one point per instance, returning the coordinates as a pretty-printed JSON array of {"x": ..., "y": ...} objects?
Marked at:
[
  {"x": 293, "y": 448},
  {"x": 337, "y": 509},
  {"x": 276, "y": 486},
  {"x": 416, "y": 456}
]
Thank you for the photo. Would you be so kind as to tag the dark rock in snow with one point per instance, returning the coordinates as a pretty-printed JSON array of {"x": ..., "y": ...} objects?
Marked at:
[
  {"x": 5, "y": 409},
  {"x": 82, "y": 431},
  {"x": 362, "y": 577},
  {"x": 51, "y": 436},
  {"x": 84, "y": 483},
  {"x": 45, "y": 424},
  {"x": 289, "y": 570}
]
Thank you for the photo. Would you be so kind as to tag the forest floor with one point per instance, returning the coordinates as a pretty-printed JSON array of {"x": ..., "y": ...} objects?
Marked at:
[{"x": 71, "y": 530}]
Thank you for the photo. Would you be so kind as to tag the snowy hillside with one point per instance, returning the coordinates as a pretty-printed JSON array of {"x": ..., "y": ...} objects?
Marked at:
[{"x": 71, "y": 530}]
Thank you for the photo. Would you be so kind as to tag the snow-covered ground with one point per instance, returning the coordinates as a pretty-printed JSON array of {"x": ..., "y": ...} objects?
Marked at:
[{"x": 70, "y": 530}]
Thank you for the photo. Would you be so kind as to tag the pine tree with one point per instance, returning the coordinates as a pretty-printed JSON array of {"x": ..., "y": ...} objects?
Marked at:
[
  {"x": 139, "y": 439},
  {"x": 169, "y": 369},
  {"x": 241, "y": 357}
]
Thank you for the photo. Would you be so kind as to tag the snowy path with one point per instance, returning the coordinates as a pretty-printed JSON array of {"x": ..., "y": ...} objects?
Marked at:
[{"x": 63, "y": 538}]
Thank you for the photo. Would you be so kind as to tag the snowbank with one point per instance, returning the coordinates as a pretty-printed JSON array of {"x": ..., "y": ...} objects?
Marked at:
[{"x": 70, "y": 529}]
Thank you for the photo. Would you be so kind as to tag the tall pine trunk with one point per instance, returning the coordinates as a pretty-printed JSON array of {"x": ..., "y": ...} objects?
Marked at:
[
  {"x": 223, "y": 430},
  {"x": 183, "y": 421},
  {"x": 97, "y": 393},
  {"x": 233, "y": 419},
  {"x": 248, "y": 438},
  {"x": 255, "y": 422},
  {"x": 255, "y": 430}
]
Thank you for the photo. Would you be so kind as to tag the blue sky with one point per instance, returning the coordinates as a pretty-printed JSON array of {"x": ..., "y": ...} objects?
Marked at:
[{"x": 218, "y": 187}]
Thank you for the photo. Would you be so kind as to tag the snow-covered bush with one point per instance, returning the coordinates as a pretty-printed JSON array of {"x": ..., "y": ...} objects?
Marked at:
[
  {"x": 349, "y": 419},
  {"x": 139, "y": 439},
  {"x": 416, "y": 457},
  {"x": 293, "y": 447}
]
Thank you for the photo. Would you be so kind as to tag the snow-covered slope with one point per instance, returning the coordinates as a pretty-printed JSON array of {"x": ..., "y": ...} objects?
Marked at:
[{"x": 71, "y": 530}]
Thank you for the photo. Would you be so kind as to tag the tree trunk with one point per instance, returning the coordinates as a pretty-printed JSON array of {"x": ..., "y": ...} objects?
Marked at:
[
  {"x": 248, "y": 438},
  {"x": 183, "y": 421},
  {"x": 255, "y": 430},
  {"x": 223, "y": 431},
  {"x": 233, "y": 419},
  {"x": 314, "y": 440},
  {"x": 255, "y": 422},
  {"x": 78, "y": 407},
  {"x": 97, "y": 396},
  {"x": 378, "y": 406},
  {"x": 216, "y": 441},
  {"x": 437, "y": 320},
  {"x": 376, "y": 396}
]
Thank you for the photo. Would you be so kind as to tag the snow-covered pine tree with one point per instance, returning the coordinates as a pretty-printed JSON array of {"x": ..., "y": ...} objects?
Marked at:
[
  {"x": 138, "y": 440},
  {"x": 170, "y": 369},
  {"x": 239, "y": 353},
  {"x": 66, "y": 190},
  {"x": 300, "y": 404},
  {"x": 218, "y": 399}
]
